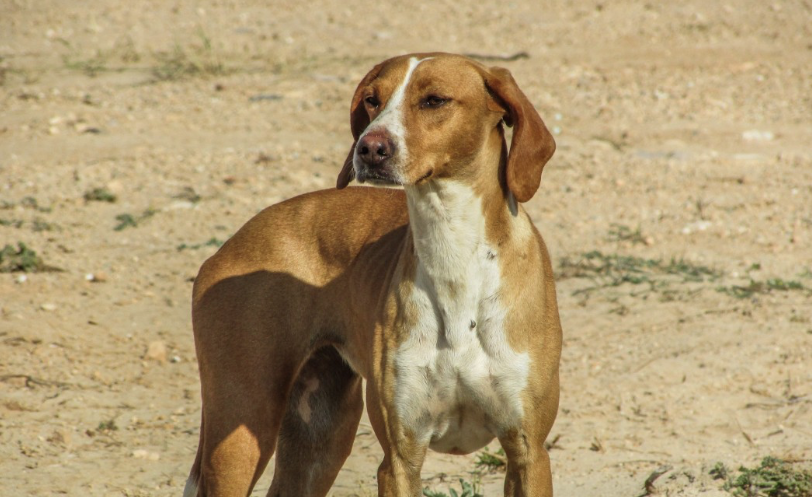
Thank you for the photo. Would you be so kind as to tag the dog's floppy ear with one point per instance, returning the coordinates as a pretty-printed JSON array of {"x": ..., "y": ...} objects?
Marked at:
[
  {"x": 532, "y": 144},
  {"x": 359, "y": 120}
]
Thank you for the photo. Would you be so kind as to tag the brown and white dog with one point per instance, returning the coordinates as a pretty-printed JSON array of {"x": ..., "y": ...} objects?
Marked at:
[{"x": 439, "y": 295}]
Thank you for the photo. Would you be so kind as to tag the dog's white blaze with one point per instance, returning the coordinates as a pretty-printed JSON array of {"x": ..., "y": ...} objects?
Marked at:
[
  {"x": 391, "y": 118},
  {"x": 458, "y": 383}
]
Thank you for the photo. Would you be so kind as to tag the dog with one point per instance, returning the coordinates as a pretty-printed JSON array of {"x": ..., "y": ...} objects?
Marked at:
[{"x": 440, "y": 294}]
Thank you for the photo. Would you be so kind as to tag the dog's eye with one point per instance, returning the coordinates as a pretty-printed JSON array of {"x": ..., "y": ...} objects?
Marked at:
[
  {"x": 372, "y": 102},
  {"x": 433, "y": 101}
]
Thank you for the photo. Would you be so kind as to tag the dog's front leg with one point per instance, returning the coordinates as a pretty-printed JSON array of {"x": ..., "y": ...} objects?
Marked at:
[
  {"x": 528, "y": 467},
  {"x": 399, "y": 473}
]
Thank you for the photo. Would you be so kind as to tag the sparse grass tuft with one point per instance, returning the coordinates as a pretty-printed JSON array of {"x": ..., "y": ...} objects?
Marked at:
[
  {"x": 611, "y": 270},
  {"x": 22, "y": 259},
  {"x": 91, "y": 67},
  {"x": 761, "y": 287},
  {"x": 42, "y": 225},
  {"x": 772, "y": 478},
  {"x": 109, "y": 425},
  {"x": 123, "y": 52},
  {"x": 491, "y": 461},
  {"x": 622, "y": 233},
  {"x": 211, "y": 242},
  {"x": 467, "y": 489},
  {"x": 180, "y": 63},
  {"x": 129, "y": 221},
  {"x": 12, "y": 223},
  {"x": 100, "y": 195}
]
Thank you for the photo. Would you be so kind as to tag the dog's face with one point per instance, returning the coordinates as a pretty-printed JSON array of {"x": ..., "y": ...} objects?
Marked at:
[{"x": 424, "y": 116}]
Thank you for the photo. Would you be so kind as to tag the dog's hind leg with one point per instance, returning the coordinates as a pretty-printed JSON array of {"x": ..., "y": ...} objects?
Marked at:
[
  {"x": 318, "y": 428},
  {"x": 242, "y": 414}
]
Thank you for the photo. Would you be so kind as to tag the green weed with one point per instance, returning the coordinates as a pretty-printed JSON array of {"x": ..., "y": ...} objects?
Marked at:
[
  {"x": 12, "y": 223},
  {"x": 467, "y": 489},
  {"x": 760, "y": 288},
  {"x": 622, "y": 233},
  {"x": 100, "y": 195},
  {"x": 611, "y": 270},
  {"x": 491, "y": 461},
  {"x": 101, "y": 61},
  {"x": 109, "y": 425},
  {"x": 91, "y": 66},
  {"x": 772, "y": 478},
  {"x": 212, "y": 242},
  {"x": 22, "y": 259},
  {"x": 129, "y": 221},
  {"x": 41, "y": 225},
  {"x": 180, "y": 63}
]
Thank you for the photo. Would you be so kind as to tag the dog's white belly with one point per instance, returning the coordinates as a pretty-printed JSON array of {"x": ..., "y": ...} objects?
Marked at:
[
  {"x": 458, "y": 383},
  {"x": 459, "y": 399}
]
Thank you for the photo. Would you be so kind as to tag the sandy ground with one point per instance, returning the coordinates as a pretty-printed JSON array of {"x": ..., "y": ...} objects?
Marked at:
[{"x": 684, "y": 134}]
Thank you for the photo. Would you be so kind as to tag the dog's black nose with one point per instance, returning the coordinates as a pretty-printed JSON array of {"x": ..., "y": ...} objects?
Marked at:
[{"x": 375, "y": 148}]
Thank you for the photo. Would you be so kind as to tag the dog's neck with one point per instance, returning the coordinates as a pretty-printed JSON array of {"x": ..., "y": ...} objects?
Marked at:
[
  {"x": 454, "y": 250},
  {"x": 451, "y": 219},
  {"x": 447, "y": 223}
]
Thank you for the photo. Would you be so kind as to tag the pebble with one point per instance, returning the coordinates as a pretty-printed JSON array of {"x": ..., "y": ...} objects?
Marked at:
[
  {"x": 156, "y": 351},
  {"x": 145, "y": 454},
  {"x": 696, "y": 226},
  {"x": 97, "y": 277},
  {"x": 755, "y": 135},
  {"x": 48, "y": 307},
  {"x": 60, "y": 436}
]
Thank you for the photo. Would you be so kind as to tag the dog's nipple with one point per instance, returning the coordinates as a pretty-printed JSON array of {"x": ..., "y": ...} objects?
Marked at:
[{"x": 473, "y": 324}]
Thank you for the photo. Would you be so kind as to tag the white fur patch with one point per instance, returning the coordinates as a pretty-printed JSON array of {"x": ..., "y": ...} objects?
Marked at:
[
  {"x": 458, "y": 382},
  {"x": 391, "y": 118}
]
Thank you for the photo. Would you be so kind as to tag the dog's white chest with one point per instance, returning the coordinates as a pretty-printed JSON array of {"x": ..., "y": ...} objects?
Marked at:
[{"x": 458, "y": 383}]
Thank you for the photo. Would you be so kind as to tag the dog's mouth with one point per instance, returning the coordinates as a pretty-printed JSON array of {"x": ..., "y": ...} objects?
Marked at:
[{"x": 376, "y": 177}]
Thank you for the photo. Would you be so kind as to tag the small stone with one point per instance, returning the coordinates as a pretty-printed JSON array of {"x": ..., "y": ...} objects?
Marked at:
[
  {"x": 156, "y": 351},
  {"x": 97, "y": 277},
  {"x": 21, "y": 279},
  {"x": 175, "y": 359},
  {"x": 757, "y": 135},
  {"x": 60, "y": 436},
  {"x": 145, "y": 454},
  {"x": 48, "y": 307}
]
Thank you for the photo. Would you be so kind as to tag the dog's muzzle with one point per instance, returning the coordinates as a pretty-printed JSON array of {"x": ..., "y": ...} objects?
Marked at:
[{"x": 374, "y": 158}]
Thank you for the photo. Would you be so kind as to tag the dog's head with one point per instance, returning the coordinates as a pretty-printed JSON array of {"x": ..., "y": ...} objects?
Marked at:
[{"x": 424, "y": 116}]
